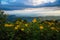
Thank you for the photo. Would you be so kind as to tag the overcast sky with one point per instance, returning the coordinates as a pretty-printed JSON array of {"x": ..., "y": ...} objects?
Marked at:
[{"x": 31, "y": 7}]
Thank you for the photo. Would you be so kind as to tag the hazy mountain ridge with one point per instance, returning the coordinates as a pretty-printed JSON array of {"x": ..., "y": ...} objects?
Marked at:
[{"x": 13, "y": 17}]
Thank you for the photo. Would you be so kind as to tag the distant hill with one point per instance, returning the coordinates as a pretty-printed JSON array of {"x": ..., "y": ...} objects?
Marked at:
[{"x": 13, "y": 17}]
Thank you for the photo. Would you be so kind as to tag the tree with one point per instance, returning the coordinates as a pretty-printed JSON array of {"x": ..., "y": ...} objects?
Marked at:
[{"x": 3, "y": 18}]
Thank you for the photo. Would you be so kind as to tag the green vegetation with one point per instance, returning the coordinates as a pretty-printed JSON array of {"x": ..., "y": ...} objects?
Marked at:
[{"x": 23, "y": 30}]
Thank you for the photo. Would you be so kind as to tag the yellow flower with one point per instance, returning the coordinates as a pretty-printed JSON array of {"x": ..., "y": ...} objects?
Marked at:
[
  {"x": 49, "y": 23},
  {"x": 17, "y": 27},
  {"x": 41, "y": 27},
  {"x": 26, "y": 25},
  {"x": 34, "y": 20},
  {"x": 22, "y": 29},
  {"x": 53, "y": 28},
  {"x": 8, "y": 25},
  {"x": 57, "y": 30},
  {"x": 17, "y": 22}
]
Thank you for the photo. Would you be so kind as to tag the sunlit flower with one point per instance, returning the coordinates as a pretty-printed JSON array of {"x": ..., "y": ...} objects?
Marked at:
[
  {"x": 17, "y": 22},
  {"x": 8, "y": 25},
  {"x": 41, "y": 27},
  {"x": 22, "y": 29},
  {"x": 17, "y": 27},
  {"x": 53, "y": 28},
  {"x": 57, "y": 30},
  {"x": 49, "y": 23},
  {"x": 34, "y": 20},
  {"x": 26, "y": 25}
]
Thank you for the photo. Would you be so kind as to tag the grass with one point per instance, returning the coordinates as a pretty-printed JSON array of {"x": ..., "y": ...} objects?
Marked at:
[{"x": 34, "y": 30}]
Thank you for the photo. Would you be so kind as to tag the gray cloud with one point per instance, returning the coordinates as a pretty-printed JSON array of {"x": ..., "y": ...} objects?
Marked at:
[{"x": 45, "y": 11}]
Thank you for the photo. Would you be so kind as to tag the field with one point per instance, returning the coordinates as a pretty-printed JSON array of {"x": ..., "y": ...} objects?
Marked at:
[{"x": 34, "y": 30}]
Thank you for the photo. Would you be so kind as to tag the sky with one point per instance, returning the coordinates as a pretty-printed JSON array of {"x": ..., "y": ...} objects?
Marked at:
[{"x": 31, "y": 7}]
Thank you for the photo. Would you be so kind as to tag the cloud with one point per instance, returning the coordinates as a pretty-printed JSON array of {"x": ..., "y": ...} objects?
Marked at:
[
  {"x": 4, "y": 2},
  {"x": 38, "y": 2},
  {"x": 45, "y": 11},
  {"x": 12, "y": 0},
  {"x": 22, "y": 4}
]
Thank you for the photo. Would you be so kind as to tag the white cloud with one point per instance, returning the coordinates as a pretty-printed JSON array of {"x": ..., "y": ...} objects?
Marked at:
[
  {"x": 12, "y": 0},
  {"x": 7, "y": 1},
  {"x": 38, "y": 2},
  {"x": 4, "y": 2},
  {"x": 46, "y": 11}
]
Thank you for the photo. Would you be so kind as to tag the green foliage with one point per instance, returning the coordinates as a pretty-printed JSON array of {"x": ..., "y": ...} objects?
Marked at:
[{"x": 36, "y": 30}]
